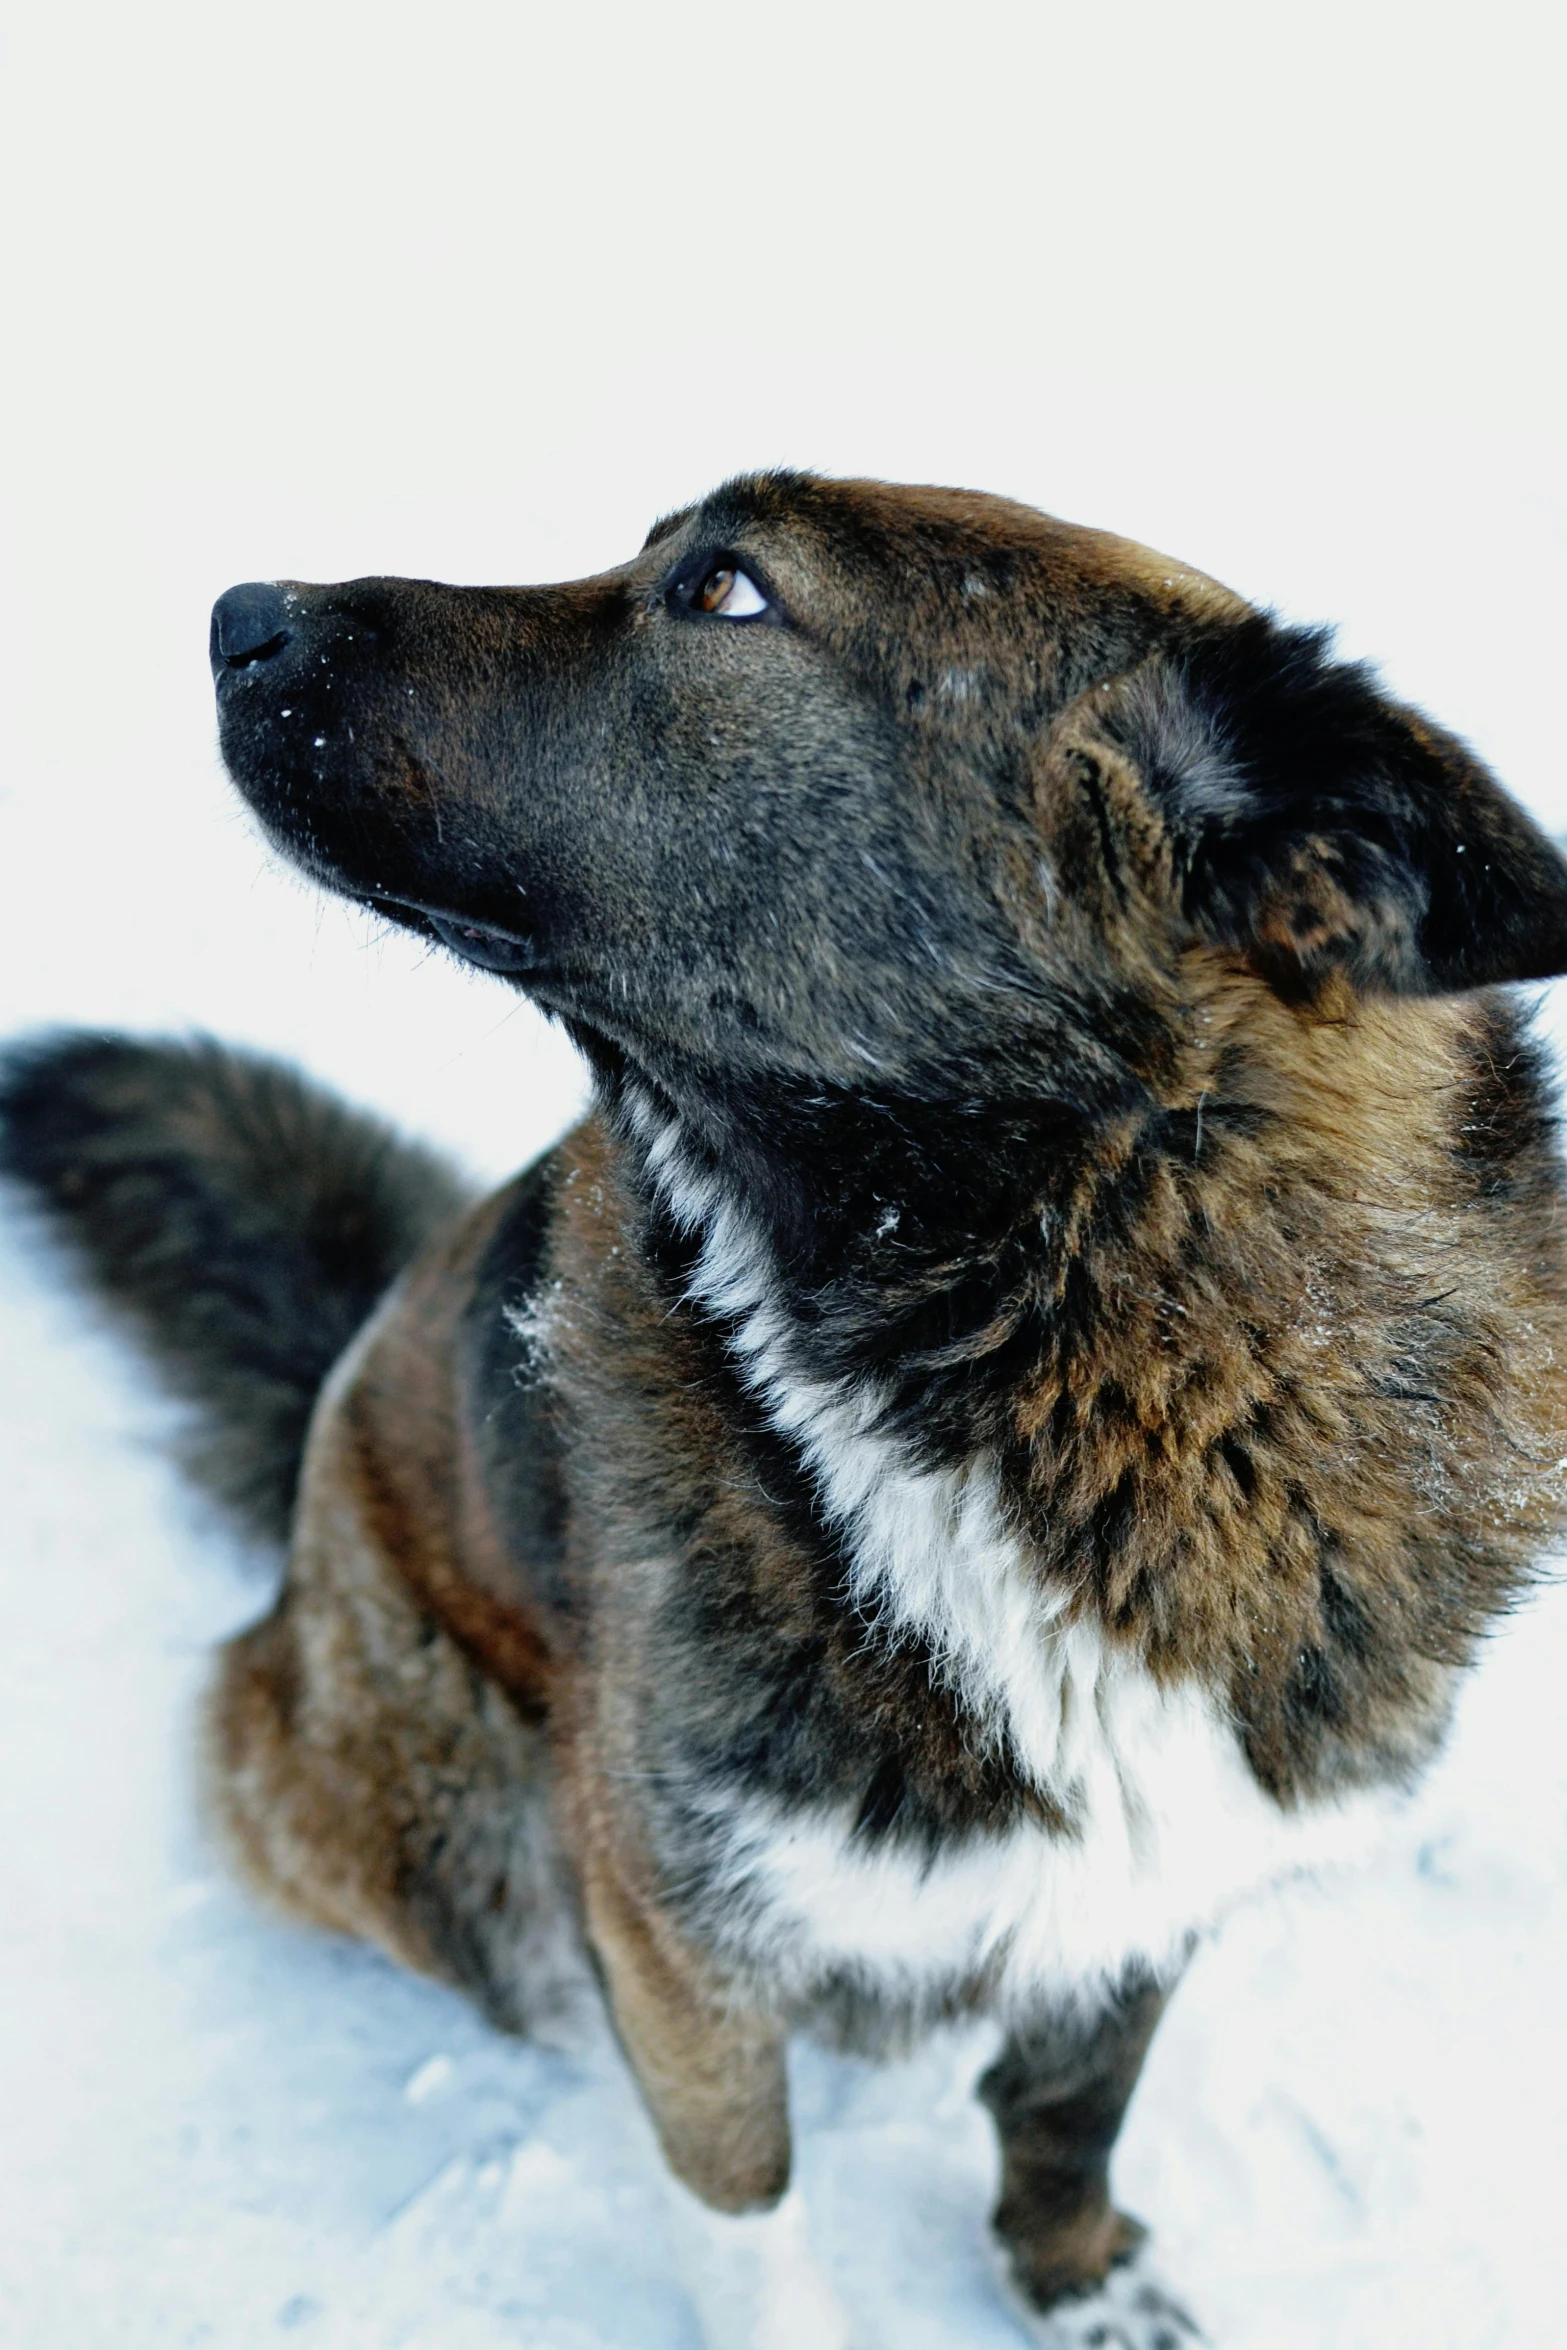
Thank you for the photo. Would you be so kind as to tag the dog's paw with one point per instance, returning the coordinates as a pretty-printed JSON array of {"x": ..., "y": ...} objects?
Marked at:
[{"x": 1131, "y": 2310}]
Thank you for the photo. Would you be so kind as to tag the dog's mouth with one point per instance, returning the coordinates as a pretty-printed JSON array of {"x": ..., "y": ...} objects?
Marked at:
[
  {"x": 483, "y": 944},
  {"x": 477, "y": 942}
]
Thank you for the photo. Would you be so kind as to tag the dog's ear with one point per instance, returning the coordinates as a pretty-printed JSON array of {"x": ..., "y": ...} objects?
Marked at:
[{"x": 1318, "y": 827}]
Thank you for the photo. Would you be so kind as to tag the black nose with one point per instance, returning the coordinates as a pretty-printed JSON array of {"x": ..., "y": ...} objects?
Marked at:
[{"x": 250, "y": 623}]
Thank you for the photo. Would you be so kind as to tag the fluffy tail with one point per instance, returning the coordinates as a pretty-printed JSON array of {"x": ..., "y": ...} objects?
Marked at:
[{"x": 241, "y": 1220}]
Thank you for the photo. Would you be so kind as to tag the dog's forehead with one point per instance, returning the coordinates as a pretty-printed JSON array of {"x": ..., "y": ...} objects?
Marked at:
[
  {"x": 866, "y": 525},
  {"x": 858, "y": 519}
]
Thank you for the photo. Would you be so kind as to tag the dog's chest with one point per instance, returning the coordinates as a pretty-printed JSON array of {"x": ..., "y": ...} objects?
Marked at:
[
  {"x": 1153, "y": 1822},
  {"x": 1149, "y": 1822},
  {"x": 1166, "y": 1828}
]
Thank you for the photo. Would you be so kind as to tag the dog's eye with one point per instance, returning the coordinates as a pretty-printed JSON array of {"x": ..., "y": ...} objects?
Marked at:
[{"x": 729, "y": 593}]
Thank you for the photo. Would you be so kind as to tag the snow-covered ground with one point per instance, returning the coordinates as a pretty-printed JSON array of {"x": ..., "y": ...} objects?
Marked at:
[{"x": 298, "y": 294}]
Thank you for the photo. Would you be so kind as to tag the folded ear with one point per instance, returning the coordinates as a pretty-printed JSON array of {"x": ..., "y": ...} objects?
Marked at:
[{"x": 1318, "y": 827}]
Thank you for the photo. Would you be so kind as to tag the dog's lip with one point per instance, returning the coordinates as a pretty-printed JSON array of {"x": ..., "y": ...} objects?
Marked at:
[{"x": 483, "y": 943}]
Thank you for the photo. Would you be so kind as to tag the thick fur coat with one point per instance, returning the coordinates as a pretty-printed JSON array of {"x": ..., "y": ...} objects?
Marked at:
[{"x": 997, "y": 1436}]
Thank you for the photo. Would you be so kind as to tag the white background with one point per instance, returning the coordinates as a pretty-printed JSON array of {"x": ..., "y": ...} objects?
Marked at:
[{"x": 475, "y": 294}]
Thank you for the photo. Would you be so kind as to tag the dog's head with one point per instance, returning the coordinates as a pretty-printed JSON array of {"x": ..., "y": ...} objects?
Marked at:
[{"x": 839, "y": 786}]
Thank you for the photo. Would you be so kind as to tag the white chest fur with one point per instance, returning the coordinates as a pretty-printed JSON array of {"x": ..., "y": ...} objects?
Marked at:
[
  {"x": 1169, "y": 1830},
  {"x": 1168, "y": 1826}
]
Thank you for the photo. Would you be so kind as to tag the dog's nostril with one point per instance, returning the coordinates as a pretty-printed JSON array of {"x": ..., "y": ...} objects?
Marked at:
[{"x": 250, "y": 623}]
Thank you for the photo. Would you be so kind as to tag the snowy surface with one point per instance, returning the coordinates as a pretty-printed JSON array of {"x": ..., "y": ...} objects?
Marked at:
[{"x": 315, "y": 295}]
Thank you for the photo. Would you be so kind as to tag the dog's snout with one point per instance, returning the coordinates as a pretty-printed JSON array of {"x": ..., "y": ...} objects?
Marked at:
[{"x": 250, "y": 623}]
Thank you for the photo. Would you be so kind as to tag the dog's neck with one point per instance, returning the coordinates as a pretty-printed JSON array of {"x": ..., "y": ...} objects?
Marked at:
[
  {"x": 1170, "y": 1375},
  {"x": 907, "y": 1255}
]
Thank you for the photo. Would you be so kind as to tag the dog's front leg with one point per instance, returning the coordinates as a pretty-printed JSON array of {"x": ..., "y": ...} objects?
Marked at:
[
  {"x": 1059, "y": 2090},
  {"x": 710, "y": 2069},
  {"x": 712, "y": 2073}
]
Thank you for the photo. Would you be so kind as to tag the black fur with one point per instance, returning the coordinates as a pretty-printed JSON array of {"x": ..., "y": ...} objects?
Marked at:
[
  {"x": 1306, "y": 776},
  {"x": 244, "y": 1221}
]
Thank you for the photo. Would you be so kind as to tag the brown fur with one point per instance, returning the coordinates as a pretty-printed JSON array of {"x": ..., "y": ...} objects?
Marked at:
[
  {"x": 1295, "y": 1436},
  {"x": 375, "y": 1757},
  {"x": 1203, "y": 1339},
  {"x": 1246, "y": 1407},
  {"x": 1089, "y": 993}
]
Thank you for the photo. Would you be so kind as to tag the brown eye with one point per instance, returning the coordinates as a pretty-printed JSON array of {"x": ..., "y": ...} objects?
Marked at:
[{"x": 729, "y": 594}]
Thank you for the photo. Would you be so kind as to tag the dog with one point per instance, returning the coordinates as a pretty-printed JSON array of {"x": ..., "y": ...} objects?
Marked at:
[{"x": 999, "y": 1434}]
